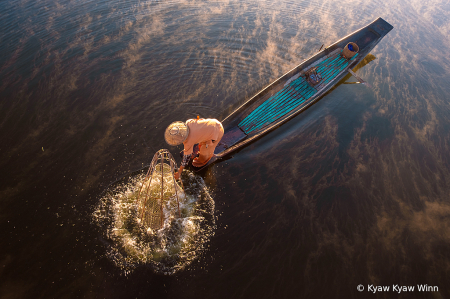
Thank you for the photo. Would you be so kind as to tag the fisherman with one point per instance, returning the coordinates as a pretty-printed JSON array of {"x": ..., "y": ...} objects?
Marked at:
[{"x": 205, "y": 132}]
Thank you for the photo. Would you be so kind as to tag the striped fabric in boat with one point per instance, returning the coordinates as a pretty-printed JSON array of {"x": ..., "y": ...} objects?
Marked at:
[{"x": 294, "y": 95}]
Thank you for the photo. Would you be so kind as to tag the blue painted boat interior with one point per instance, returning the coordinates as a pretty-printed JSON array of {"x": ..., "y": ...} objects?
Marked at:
[{"x": 294, "y": 95}]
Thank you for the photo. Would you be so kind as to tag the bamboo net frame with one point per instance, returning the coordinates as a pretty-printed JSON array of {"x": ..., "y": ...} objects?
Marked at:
[{"x": 151, "y": 200}]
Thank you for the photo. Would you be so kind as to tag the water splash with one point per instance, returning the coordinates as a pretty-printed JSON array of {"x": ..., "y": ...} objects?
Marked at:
[{"x": 167, "y": 250}]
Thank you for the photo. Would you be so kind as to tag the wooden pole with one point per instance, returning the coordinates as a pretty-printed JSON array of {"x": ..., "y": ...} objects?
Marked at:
[{"x": 162, "y": 191}]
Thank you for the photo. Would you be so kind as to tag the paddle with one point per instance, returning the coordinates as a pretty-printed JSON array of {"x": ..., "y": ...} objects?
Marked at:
[{"x": 359, "y": 78}]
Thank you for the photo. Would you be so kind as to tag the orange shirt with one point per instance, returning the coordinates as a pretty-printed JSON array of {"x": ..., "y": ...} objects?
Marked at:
[{"x": 201, "y": 131}]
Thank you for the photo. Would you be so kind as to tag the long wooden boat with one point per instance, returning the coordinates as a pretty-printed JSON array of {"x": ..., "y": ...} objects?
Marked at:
[{"x": 293, "y": 92}]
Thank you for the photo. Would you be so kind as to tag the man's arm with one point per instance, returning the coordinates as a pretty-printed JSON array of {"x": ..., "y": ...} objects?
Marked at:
[{"x": 185, "y": 162}]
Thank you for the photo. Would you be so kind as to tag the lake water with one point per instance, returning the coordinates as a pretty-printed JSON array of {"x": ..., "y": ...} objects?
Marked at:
[{"x": 355, "y": 190}]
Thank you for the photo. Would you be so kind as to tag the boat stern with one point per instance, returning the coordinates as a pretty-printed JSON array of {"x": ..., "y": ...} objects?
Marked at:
[{"x": 381, "y": 27}]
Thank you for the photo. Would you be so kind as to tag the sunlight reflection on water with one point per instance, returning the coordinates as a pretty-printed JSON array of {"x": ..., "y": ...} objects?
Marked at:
[{"x": 355, "y": 188}]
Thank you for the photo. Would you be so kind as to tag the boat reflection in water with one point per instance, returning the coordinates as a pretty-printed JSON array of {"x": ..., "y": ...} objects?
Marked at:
[{"x": 152, "y": 220}]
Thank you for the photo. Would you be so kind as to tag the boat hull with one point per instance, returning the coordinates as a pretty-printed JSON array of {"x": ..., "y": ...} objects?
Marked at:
[{"x": 292, "y": 93}]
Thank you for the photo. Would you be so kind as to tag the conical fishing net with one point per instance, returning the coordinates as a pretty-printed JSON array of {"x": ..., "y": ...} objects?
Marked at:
[{"x": 159, "y": 195}]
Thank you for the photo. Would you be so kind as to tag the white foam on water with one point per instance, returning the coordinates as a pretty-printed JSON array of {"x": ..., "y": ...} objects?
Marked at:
[{"x": 167, "y": 250}]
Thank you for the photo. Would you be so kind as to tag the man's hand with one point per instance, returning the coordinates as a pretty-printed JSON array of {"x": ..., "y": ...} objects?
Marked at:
[{"x": 177, "y": 174}]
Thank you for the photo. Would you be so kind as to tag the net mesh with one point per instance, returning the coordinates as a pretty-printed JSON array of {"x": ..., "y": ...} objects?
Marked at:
[{"x": 159, "y": 195}]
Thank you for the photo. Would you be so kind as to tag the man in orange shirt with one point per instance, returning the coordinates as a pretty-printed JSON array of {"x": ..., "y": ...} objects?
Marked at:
[{"x": 206, "y": 132}]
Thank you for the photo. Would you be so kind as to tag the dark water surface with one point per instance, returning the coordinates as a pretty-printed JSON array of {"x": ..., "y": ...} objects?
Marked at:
[{"x": 355, "y": 190}]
